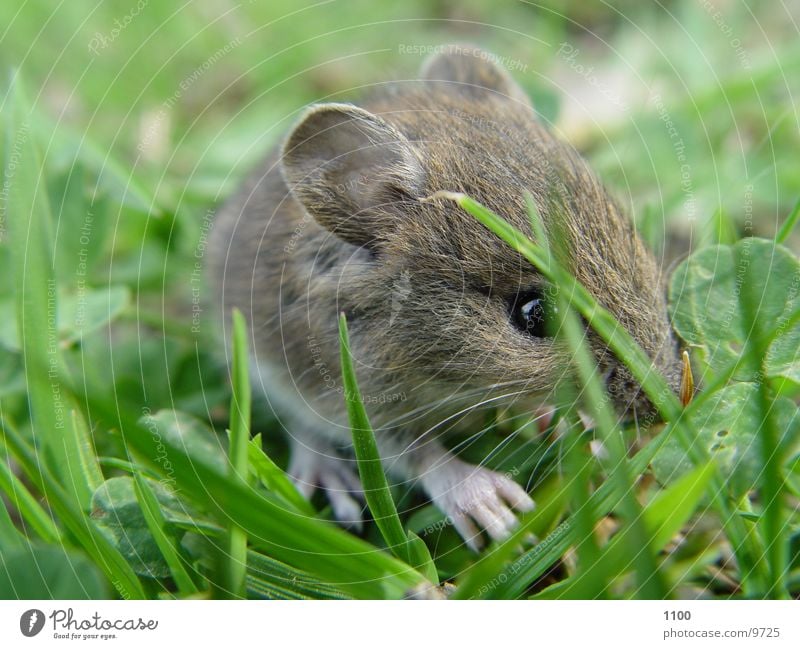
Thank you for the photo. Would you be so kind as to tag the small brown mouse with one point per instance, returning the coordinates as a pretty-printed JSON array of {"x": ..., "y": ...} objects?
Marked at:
[{"x": 445, "y": 320}]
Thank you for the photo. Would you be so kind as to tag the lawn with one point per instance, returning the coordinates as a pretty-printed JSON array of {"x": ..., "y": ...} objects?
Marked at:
[{"x": 139, "y": 463}]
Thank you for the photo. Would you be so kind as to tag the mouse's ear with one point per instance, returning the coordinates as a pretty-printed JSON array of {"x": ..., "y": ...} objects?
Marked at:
[
  {"x": 472, "y": 71},
  {"x": 341, "y": 162}
]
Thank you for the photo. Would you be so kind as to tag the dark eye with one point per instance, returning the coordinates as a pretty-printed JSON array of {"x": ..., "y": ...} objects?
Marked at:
[{"x": 532, "y": 312}]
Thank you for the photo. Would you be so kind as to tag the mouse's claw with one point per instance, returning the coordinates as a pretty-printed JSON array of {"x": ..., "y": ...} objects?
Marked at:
[{"x": 471, "y": 495}]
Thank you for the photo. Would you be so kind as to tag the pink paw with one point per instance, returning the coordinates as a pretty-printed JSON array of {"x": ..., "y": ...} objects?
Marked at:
[{"x": 477, "y": 499}]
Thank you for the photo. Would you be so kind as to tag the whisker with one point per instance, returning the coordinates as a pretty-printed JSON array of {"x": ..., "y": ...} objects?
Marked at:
[
  {"x": 449, "y": 399},
  {"x": 437, "y": 427},
  {"x": 468, "y": 409}
]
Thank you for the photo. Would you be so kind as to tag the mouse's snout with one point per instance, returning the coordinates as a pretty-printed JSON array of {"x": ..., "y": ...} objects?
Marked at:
[{"x": 627, "y": 394}]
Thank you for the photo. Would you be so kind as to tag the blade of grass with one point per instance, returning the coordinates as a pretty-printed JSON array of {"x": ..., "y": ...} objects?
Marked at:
[
  {"x": 788, "y": 225},
  {"x": 274, "y": 479},
  {"x": 79, "y": 448},
  {"x": 315, "y": 546},
  {"x": 28, "y": 507},
  {"x": 421, "y": 559},
  {"x": 618, "y": 339},
  {"x": 578, "y": 463},
  {"x": 237, "y": 452},
  {"x": 267, "y": 577},
  {"x": 376, "y": 488},
  {"x": 772, "y": 492},
  {"x": 721, "y": 229},
  {"x": 94, "y": 543},
  {"x": 408, "y": 547},
  {"x": 648, "y": 577},
  {"x": 599, "y": 404},
  {"x": 157, "y": 524},
  {"x": 11, "y": 538},
  {"x": 512, "y": 580}
]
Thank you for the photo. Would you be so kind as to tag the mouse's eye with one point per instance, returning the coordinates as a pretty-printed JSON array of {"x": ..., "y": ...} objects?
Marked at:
[{"x": 532, "y": 312}]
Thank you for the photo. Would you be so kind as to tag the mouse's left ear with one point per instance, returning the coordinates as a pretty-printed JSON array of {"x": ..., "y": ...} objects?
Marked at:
[
  {"x": 341, "y": 162},
  {"x": 472, "y": 71}
]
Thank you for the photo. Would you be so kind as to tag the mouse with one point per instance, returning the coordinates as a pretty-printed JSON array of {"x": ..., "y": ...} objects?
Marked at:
[{"x": 445, "y": 320}]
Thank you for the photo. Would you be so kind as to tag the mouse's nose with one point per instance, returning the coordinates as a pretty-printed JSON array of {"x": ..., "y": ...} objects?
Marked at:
[
  {"x": 630, "y": 399},
  {"x": 626, "y": 392}
]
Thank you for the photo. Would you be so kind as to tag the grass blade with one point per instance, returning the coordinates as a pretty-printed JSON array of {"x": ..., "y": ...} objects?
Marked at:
[
  {"x": 410, "y": 548},
  {"x": 11, "y": 539},
  {"x": 570, "y": 329},
  {"x": 24, "y": 502},
  {"x": 618, "y": 339},
  {"x": 774, "y": 530},
  {"x": 513, "y": 579},
  {"x": 156, "y": 523},
  {"x": 318, "y": 547},
  {"x": 272, "y": 579},
  {"x": 237, "y": 452},
  {"x": 376, "y": 488},
  {"x": 788, "y": 225},
  {"x": 275, "y": 479},
  {"x": 79, "y": 449}
]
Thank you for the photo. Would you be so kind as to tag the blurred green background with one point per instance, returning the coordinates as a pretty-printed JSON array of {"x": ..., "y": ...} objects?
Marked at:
[
  {"x": 203, "y": 88},
  {"x": 148, "y": 113}
]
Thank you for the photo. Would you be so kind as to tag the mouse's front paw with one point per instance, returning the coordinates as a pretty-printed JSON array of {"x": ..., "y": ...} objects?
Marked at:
[
  {"x": 471, "y": 495},
  {"x": 311, "y": 469}
]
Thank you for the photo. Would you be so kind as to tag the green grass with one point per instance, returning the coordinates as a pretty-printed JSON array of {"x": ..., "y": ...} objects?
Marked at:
[
  {"x": 404, "y": 545},
  {"x": 134, "y": 455},
  {"x": 238, "y": 438}
]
